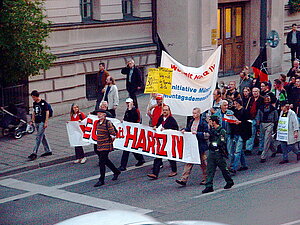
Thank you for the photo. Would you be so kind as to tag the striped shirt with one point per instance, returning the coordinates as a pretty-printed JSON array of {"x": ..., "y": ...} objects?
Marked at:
[{"x": 104, "y": 141}]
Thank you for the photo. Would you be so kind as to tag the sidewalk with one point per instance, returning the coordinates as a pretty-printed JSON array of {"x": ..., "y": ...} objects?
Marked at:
[{"x": 14, "y": 152}]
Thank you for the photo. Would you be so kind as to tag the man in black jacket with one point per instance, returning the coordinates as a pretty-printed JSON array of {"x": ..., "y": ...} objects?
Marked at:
[
  {"x": 293, "y": 42},
  {"x": 133, "y": 80}
]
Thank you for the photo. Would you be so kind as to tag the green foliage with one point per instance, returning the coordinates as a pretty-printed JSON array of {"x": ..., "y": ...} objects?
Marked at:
[
  {"x": 294, "y": 6},
  {"x": 23, "y": 31}
]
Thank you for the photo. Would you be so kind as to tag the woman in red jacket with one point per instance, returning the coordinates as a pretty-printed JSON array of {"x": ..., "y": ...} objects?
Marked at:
[{"x": 76, "y": 115}]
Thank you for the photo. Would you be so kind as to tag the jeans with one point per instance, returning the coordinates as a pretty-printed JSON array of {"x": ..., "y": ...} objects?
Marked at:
[
  {"x": 287, "y": 148},
  {"x": 239, "y": 155},
  {"x": 250, "y": 141},
  {"x": 41, "y": 137},
  {"x": 231, "y": 148},
  {"x": 79, "y": 153}
]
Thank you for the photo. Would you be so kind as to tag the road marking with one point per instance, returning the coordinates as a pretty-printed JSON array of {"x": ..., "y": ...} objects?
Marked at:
[
  {"x": 65, "y": 195},
  {"x": 291, "y": 223},
  {"x": 16, "y": 197},
  {"x": 259, "y": 180}
]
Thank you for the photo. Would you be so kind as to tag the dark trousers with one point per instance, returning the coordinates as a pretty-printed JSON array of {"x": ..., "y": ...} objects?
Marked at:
[
  {"x": 158, "y": 162},
  {"x": 125, "y": 156},
  {"x": 100, "y": 95},
  {"x": 79, "y": 153},
  {"x": 113, "y": 112},
  {"x": 214, "y": 160},
  {"x": 295, "y": 50},
  {"x": 132, "y": 95},
  {"x": 105, "y": 161}
]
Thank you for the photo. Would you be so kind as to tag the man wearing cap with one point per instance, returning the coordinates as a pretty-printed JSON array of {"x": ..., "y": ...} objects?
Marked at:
[
  {"x": 133, "y": 80},
  {"x": 216, "y": 155},
  {"x": 105, "y": 136},
  {"x": 157, "y": 110},
  {"x": 131, "y": 115}
]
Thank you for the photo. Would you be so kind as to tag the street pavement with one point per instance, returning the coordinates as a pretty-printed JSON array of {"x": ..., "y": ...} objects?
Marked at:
[{"x": 14, "y": 152}]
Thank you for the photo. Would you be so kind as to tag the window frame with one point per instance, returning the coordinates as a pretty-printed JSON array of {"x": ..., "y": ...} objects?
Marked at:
[{"x": 89, "y": 4}]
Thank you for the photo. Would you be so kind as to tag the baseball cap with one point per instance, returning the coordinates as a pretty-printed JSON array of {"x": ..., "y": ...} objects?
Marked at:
[
  {"x": 159, "y": 97},
  {"x": 128, "y": 100}
]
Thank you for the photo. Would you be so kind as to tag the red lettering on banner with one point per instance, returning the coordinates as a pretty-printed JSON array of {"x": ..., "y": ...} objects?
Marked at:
[
  {"x": 120, "y": 133},
  {"x": 161, "y": 146},
  {"x": 131, "y": 137},
  {"x": 94, "y": 131},
  {"x": 177, "y": 141},
  {"x": 87, "y": 129},
  {"x": 151, "y": 142},
  {"x": 141, "y": 143}
]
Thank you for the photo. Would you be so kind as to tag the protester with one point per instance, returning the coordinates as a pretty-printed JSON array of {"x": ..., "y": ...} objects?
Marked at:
[
  {"x": 288, "y": 132},
  {"x": 100, "y": 82},
  {"x": 293, "y": 42},
  {"x": 267, "y": 118},
  {"x": 217, "y": 151},
  {"x": 166, "y": 121},
  {"x": 198, "y": 126},
  {"x": 155, "y": 111},
  {"x": 105, "y": 137},
  {"x": 131, "y": 115},
  {"x": 40, "y": 117},
  {"x": 252, "y": 106},
  {"x": 265, "y": 88},
  {"x": 294, "y": 69},
  {"x": 295, "y": 98},
  {"x": 245, "y": 95},
  {"x": 279, "y": 93},
  {"x": 290, "y": 86},
  {"x": 241, "y": 131},
  {"x": 245, "y": 81},
  {"x": 133, "y": 80},
  {"x": 232, "y": 92},
  {"x": 152, "y": 102},
  {"x": 76, "y": 115},
  {"x": 111, "y": 95}
]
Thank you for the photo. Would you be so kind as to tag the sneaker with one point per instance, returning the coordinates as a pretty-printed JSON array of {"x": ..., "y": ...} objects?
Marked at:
[
  {"x": 32, "y": 157},
  {"x": 248, "y": 152},
  {"x": 153, "y": 176},
  {"x": 46, "y": 154},
  {"x": 228, "y": 185},
  {"x": 121, "y": 168},
  {"x": 207, "y": 190},
  {"x": 77, "y": 161},
  {"x": 140, "y": 163},
  {"x": 172, "y": 174},
  {"x": 83, "y": 160},
  {"x": 259, "y": 152},
  {"x": 180, "y": 182},
  {"x": 242, "y": 168},
  {"x": 263, "y": 160},
  {"x": 284, "y": 162},
  {"x": 273, "y": 155}
]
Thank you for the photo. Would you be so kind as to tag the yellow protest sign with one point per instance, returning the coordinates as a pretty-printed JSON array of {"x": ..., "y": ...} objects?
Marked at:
[{"x": 159, "y": 80}]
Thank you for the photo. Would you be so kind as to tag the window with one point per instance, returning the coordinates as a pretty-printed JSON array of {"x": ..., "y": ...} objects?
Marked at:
[
  {"x": 238, "y": 21},
  {"x": 127, "y": 8},
  {"x": 228, "y": 23},
  {"x": 219, "y": 24},
  {"x": 86, "y": 9}
]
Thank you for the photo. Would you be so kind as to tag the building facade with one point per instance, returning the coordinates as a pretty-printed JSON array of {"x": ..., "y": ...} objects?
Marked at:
[{"x": 87, "y": 32}]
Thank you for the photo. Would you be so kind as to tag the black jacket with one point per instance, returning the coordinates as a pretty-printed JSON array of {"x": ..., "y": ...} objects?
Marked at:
[
  {"x": 136, "y": 78},
  {"x": 131, "y": 115},
  {"x": 289, "y": 38},
  {"x": 170, "y": 123},
  {"x": 243, "y": 129}
]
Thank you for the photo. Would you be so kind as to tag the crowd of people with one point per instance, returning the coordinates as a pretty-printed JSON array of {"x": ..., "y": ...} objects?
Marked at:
[{"x": 251, "y": 113}]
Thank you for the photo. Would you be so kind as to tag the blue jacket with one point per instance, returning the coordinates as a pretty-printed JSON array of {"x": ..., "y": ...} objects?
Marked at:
[{"x": 202, "y": 127}]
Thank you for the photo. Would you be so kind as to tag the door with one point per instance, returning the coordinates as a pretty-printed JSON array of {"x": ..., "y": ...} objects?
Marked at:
[{"x": 230, "y": 34}]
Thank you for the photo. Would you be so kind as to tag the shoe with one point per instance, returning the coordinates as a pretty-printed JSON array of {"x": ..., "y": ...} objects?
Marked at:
[
  {"x": 298, "y": 157},
  {"x": 273, "y": 155},
  {"x": 284, "y": 161},
  {"x": 228, "y": 185},
  {"x": 140, "y": 163},
  {"x": 32, "y": 157},
  {"x": 248, "y": 152},
  {"x": 207, "y": 190},
  {"x": 46, "y": 154},
  {"x": 180, "y": 182},
  {"x": 172, "y": 174},
  {"x": 233, "y": 172},
  {"x": 203, "y": 182},
  {"x": 115, "y": 177},
  {"x": 99, "y": 183},
  {"x": 263, "y": 160},
  {"x": 259, "y": 152},
  {"x": 77, "y": 161},
  {"x": 83, "y": 160},
  {"x": 121, "y": 168},
  {"x": 153, "y": 176},
  {"x": 242, "y": 168}
]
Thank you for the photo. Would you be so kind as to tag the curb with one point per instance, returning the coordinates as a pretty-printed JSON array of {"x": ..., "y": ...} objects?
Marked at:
[{"x": 25, "y": 168}]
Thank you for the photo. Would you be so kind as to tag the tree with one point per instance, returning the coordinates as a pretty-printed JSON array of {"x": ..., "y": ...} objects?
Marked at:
[{"x": 23, "y": 32}]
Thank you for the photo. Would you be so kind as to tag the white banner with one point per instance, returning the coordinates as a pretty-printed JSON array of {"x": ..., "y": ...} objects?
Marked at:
[
  {"x": 191, "y": 87},
  {"x": 75, "y": 133},
  {"x": 139, "y": 138}
]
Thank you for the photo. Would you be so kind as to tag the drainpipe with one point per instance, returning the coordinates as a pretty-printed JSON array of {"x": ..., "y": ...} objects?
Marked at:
[
  {"x": 263, "y": 23},
  {"x": 154, "y": 29}
]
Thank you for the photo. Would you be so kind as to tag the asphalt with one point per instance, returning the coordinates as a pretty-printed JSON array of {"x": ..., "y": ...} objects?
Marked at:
[{"x": 14, "y": 152}]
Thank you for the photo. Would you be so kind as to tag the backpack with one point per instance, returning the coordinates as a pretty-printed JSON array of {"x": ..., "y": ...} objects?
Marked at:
[{"x": 50, "y": 110}]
